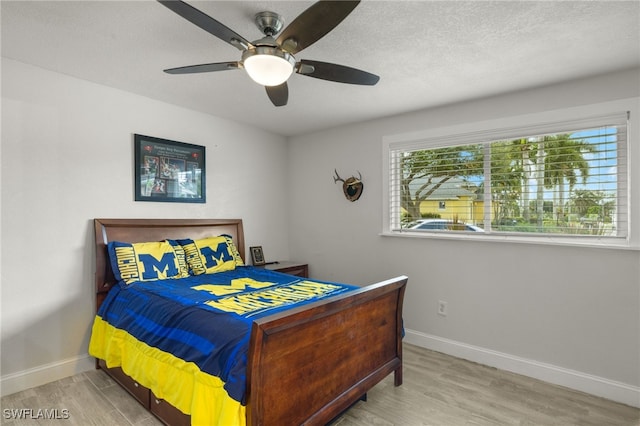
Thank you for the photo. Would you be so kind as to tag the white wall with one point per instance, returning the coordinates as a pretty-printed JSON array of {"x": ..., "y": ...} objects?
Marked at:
[
  {"x": 67, "y": 157},
  {"x": 564, "y": 314}
]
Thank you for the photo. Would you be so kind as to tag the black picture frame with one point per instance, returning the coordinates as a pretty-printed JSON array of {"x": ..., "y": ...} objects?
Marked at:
[
  {"x": 169, "y": 171},
  {"x": 257, "y": 256}
]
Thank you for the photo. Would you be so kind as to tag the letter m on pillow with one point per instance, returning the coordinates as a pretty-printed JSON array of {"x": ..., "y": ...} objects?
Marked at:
[
  {"x": 147, "y": 261},
  {"x": 158, "y": 268},
  {"x": 214, "y": 257},
  {"x": 210, "y": 255}
]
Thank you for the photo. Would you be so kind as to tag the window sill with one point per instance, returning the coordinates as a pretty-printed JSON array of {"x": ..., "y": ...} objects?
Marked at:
[{"x": 602, "y": 243}]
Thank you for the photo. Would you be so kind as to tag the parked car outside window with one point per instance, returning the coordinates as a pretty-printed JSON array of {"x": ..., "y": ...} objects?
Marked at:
[{"x": 442, "y": 225}]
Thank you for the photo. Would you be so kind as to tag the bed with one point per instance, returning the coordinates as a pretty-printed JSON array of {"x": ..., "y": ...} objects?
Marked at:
[{"x": 305, "y": 364}]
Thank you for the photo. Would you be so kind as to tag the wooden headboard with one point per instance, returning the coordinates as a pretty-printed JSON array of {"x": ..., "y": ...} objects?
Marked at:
[{"x": 141, "y": 230}]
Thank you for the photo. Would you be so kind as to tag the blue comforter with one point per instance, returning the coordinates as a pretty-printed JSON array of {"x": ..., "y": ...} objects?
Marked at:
[{"x": 206, "y": 319}]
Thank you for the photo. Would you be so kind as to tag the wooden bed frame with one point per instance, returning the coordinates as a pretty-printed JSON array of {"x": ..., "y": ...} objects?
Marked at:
[{"x": 353, "y": 340}]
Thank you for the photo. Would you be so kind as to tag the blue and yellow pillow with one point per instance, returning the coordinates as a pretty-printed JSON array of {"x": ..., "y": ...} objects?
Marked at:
[
  {"x": 149, "y": 261},
  {"x": 210, "y": 255}
]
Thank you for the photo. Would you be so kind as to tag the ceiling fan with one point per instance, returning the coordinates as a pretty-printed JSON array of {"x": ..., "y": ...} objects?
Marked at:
[{"x": 269, "y": 61}]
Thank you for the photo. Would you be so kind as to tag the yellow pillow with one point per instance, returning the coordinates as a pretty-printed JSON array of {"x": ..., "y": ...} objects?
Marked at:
[
  {"x": 149, "y": 261},
  {"x": 210, "y": 255}
]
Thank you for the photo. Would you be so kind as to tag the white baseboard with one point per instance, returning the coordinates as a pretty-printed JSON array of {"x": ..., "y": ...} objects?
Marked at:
[
  {"x": 22, "y": 380},
  {"x": 594, "y": 385}
]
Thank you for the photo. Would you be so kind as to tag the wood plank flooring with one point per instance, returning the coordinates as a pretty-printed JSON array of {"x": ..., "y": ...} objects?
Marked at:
[{"x": 438, "y": 390}]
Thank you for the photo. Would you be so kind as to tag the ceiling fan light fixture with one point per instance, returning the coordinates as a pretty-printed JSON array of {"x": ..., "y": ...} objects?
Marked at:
[{"x": 268, "y": 66}]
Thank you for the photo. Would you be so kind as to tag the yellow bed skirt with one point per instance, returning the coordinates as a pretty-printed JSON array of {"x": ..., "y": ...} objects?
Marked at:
[{"x": 178, "y": 382}]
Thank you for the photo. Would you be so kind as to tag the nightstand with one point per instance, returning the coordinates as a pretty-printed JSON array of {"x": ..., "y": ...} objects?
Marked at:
[{"x": 292, "y": 268}]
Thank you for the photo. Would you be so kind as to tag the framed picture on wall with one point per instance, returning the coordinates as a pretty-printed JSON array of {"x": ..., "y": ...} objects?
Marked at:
[
  {"x": 168, "y": 171},
  {"x": 257, "y": 256}
]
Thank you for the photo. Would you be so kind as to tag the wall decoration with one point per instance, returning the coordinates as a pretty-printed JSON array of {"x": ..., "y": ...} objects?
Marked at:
[
  {"x": 257, "y": 256},
  {"x": 352, "y": 187},
  {"x": 169, "y": 171}
]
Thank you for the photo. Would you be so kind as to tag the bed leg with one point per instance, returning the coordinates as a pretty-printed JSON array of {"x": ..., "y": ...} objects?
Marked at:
[{"x": 397, "y": 376}]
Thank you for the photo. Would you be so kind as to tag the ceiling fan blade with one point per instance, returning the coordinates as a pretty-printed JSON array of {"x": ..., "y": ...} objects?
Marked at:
[
  {"x": 279, "y": 95},
  {"x": 192, "y": 69},
  {"x": 313, "y": 24},
  {"x": 207, "y": 23},
  {"x": 335, "y": 72}
]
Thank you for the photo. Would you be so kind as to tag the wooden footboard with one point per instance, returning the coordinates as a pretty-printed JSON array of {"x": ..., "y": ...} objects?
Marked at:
[{"x": 308, "y": 365}]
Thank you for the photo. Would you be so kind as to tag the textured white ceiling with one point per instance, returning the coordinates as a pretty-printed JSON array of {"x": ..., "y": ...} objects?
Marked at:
[{"x": 427, "y": 53}]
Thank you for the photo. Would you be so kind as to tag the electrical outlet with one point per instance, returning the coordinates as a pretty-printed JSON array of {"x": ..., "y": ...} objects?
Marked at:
[{"x": 442, "y": 308}]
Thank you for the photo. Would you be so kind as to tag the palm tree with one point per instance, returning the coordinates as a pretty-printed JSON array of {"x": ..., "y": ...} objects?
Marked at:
[
  {"x": 507, "y": 170},
  {"x": 521, "y": 155},
  {"x": 564, "y": 162},
  {"x": 540, "y": 156}
]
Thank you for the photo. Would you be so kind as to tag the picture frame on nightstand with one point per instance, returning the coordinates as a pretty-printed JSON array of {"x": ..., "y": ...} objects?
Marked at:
[{"x": 257, "y": 255}]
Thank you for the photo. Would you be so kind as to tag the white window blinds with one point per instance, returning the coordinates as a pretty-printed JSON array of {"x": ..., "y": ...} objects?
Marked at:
[{"x": 560, "y": 179}]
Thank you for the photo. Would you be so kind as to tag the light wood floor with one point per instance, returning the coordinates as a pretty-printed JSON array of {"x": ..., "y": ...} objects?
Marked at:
[{"x": 438, "y": 390}]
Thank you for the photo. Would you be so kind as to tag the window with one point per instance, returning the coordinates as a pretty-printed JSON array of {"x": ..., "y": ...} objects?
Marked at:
[{"x": 566, "y": 180}]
